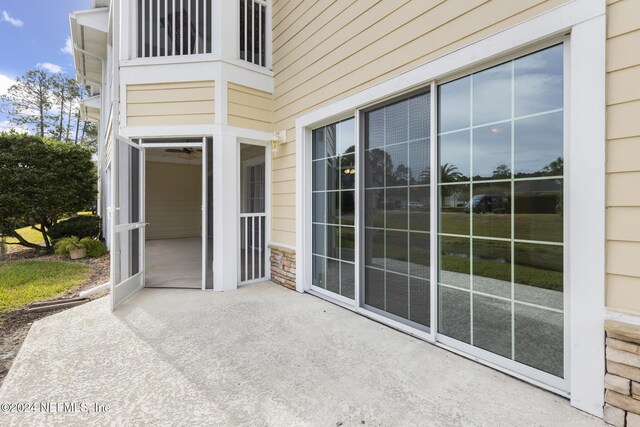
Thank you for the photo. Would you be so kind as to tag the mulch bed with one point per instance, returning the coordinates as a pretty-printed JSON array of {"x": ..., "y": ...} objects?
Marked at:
[{"x": 15, "y": 325}]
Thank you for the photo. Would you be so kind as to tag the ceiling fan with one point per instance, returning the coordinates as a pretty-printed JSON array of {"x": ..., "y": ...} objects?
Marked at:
[{"x": 186, "y": 153}]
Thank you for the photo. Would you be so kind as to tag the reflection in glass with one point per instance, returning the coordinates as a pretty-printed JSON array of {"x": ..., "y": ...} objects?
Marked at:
[
  {"x": 396, "y": 167},
  {"x": 347, "y": 280},
  {"x": 332, "y": 241},
  {"x": 374, "y": 244},
  {"x": 455, "y": 149},
  {"x": 492, "y": 94},
  {"x": 455, "y": 262},
  {"x": 318, "y": 209},
  {"x": 347, "y": 172},
  {"x": 454, "y": 105},
  {"x": 333, "y": 207},
  {"x": 347, "y": 207},
  {"x": 374, "y": 208},
  {"x": 492, "y": 267},
  {"x": 330, "y": 140},
  {"x": 492, "y": 152},
  {"x": 318, "y": 239},
  {"x": 374, "y": 129},
  {"x": 318, "y": 151},
  {"x": 491, "y": 205},
  {"x": 374, "y": 295},
  {"x": 419, "y": 119},
  {"x": 538, "y": 274},
  {"x": 419, "y": 208},
  {"x": 346, "y": 137},
  {"x": 396, "y": 118},
  {"x": 347, "y": 243},
  {"x": 539, "y": 81},
  {"x": 397, "y": 294},
  {"x": 333, "y": 275},
  {"x": 318, "y": 172},
  {"x": 492, "y": 324},
  {"x": 376, "y": 166},
  {"x": 454, "y": 312},
  {"x": 319, "y": 272},
  {"x": 539, "y": 338},
  {"x": 419, "y": 255},
  {"x": 454, "y": 201},
  {"x": 538, "y": 146},
  {"x": 396, "y": 253},
  {"x": 419, "y": 162},
  {"x": 419, "y": 297},
  {"x": 396, "y": 208},
  {"x": 538, "y": 210}
]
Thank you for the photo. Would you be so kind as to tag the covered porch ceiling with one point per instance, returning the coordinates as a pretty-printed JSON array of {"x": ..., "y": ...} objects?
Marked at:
[{"x": 89, "y": 35}]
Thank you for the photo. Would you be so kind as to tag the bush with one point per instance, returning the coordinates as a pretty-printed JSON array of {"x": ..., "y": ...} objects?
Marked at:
[
  {"x": 95, "y": 248},
  {"x": 82, "y": 225},
  {"x": 67, "y": 244}
]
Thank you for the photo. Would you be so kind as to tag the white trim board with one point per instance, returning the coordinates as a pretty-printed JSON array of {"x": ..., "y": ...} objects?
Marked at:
[{"x": 585, "y": 169}]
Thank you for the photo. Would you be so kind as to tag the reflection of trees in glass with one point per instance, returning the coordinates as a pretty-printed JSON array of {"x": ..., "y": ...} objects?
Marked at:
[
  {"x": 449, "y": 174},
  {"x": 400, "y": 175},
  {"x": 555, "y": 168},
  {"x": 378, "y": 163},
  {"x": 502, "y": 172}
]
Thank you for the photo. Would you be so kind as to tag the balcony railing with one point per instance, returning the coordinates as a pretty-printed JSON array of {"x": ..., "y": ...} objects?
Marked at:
[
  {"x": 253, "y": 31},
  {"x": 174, "y": 27}
]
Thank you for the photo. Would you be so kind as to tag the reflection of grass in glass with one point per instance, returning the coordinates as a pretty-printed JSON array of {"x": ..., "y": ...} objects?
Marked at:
[
  {"x": 525, "y": 275},
  {"x": 546, "y": 227}
]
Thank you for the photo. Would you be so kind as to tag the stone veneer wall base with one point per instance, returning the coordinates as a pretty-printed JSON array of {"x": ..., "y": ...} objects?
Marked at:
[
  {"x": 622, "y": 380},
  {"x": 283, "y": 266}
]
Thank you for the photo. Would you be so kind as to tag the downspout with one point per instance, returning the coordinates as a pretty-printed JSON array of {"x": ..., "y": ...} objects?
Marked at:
[{"x": 115, "y": 150}]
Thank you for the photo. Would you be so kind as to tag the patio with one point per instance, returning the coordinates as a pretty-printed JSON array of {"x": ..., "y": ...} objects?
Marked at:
[{"x": 261, "y": 355}]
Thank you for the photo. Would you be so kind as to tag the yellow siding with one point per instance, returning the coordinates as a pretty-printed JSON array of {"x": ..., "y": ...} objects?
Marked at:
[
  {"x": 330, "y": 49},
  {"x": 182, "y": 103},
  {"x": 249, "y": 108},
  {"x": 623, "y": 156}
]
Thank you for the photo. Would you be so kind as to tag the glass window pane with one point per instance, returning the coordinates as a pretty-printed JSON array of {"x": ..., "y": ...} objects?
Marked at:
[
  {"x": 539, "y": 82},
  {"x": 374, "y": 287},
  {"x": 539, "y": 210},
  {"x": 375, "y": 165},
  {"x": 333, "y": 207},
  {"x": 454, "y": 312},
  {"x": 396, "y": 120},
  {"x": 454, "y": 105},
  {"x": 318, "y": 151},
  {"x": 333, "y": 241},
  {"x": 318, "y": 239},
  {"x": 491, "y": 209},
  {"x": 346, "y": 137},
  {"x": 455, "y": 150},
  {"x": 333, "y": 173},
  {"x": 319, "y": 272},
  {"x": 374, "y": 208},
  {"x": 347, "y": 172},
  {"x": 396, "y": 208},
  {"x": 419, "y": 305},
  {"x": 538, "y": 274},
  {"x": 347, "y": 280},
  {"x": 419, "y": 255},
  {"x": 374, "y": 129},
  {"x": 319, "y": 208},
  {"x": 492, "y": 267},
  {"x": 330, "y": 140},
  {"x": 454, "y": 211},
  {"x": 374, "y": 248},
  {"x": 455, "y": 261},
  {"x": 419, "y": 162},
  {"x": 397, "y": 294},
  {"x": 347, "y": 243},
  {"x": 419, "y": 120},
  {"x": 539, "y": 338},
  {"x": 396, "y": 251},
  {"x": 492, "y": 152},
  {"x": 419, "y": 208},
  {"x": 333, "y": 275},
  {"x": 397, "y": 165},
  {"x": 347, "y": 207},
  {"x": 492, "y": 94},
  {"x": 318, "y": 172},
  {"x": 492, "y": 325},
  {"x": 538, "y": 146}
]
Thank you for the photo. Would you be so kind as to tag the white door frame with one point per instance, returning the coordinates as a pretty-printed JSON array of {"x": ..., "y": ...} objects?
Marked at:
[{"x": 203, "y": 197}]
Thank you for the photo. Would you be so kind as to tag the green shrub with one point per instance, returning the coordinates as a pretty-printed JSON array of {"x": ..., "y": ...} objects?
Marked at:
[
  {"x": 95, "y": 248},
  {"x": 81, "y": 225},
  {"x": 66, "y": 244}
]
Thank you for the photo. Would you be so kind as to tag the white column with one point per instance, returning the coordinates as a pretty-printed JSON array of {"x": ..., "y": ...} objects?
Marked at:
[
  {"x": 225, "y": 28},
  {"x": 225, "y": 213}
]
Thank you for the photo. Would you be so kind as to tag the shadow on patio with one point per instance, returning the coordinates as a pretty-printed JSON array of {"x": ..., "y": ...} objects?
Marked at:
[{"x": 261, "y": 355}]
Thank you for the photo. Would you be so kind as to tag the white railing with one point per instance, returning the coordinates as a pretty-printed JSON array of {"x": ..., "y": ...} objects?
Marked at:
[
  {"x": 174, "y": 27},
  {"x": 253, "y": 31},
  {"x": 252, "y": 246}
]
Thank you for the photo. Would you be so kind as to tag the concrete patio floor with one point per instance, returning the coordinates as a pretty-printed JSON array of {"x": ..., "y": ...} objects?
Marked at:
[{"x": 261, "y": 355}]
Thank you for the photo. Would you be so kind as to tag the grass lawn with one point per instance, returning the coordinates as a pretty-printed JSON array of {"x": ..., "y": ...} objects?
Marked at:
[
  {"x": 23, "y": 282},
  {"x": 29, "y": 234}
]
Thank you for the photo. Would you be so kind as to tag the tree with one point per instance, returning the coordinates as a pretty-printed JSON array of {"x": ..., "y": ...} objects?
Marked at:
[
  {"x": 28, "y": 102},
  {"x": 41, "y": 181},
  {"x": 502, "y": 172},
  {"x": 450, "y": 174}
]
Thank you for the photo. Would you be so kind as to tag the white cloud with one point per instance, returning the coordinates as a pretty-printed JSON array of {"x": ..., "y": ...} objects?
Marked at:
[
  {"x": 11, "y": 20},
  {"x": 6, "y": 126},
  {"x": 68, "y": 46},
  {"x": 5, "y": 83},
  {"x": 52, "y": 68}
]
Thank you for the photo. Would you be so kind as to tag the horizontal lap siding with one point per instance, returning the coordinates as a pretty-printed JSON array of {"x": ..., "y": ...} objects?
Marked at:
[
  {"x": 249, "y": 108},
  {"x": 325, "y": 50},
  {"x": 178, "y": 103},
  {"x": 623, "y": 156}
]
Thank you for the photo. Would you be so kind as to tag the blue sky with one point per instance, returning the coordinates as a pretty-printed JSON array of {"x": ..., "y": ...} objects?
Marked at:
[{"x": 33, "y": 34}]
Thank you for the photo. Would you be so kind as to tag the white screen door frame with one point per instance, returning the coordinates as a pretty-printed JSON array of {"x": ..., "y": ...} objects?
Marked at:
[{"x": 127, "y": 216}]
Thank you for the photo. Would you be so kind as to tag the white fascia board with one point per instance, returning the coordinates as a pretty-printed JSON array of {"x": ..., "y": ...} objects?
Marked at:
[
  {"x": 97, "y": 19},
  {"x": 92, "y": 102},
  {"x": 196, "y": 68}
]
